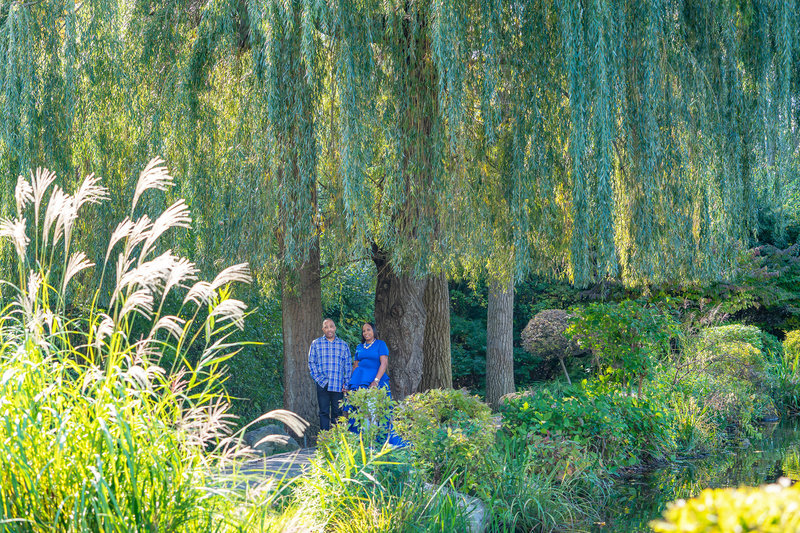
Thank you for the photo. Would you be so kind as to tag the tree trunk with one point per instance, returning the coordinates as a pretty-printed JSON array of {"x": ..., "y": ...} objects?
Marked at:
[
  {"x": 301, "y": 311},
  {"x": 564, "y": 368},
  {"x": 437, "y": 370},
  {"x": 400, "y": 319},
  {"x": 499, "y": 342}
]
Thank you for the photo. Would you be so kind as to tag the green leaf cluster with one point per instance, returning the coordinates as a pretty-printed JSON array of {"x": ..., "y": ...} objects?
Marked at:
[
  {"x": 768, "y": 509},
  {"x": 451, "y": 433}
]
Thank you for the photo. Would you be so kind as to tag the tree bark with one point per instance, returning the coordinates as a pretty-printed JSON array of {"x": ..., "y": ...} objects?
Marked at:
[
  {"x": 437, "y": 370},
  {"x": 301, "y": 312},
  {"x": 499, "y": 342},
  {"x": 400, "y": 319}
]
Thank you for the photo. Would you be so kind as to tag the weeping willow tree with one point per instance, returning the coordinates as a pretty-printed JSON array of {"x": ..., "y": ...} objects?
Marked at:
[
  {"x": 620, "y": 140},
  {"x": 636, "y": 140},
  {"x": 251, "y": 86}
]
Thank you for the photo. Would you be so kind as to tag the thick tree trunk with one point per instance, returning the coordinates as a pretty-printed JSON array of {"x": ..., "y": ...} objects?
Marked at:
[
  {"x": 499, "y": 342},
  {"x": 302, "y": 322},
  {"x": 400, "y": 319},
  {"x": 437, "y": 370}
]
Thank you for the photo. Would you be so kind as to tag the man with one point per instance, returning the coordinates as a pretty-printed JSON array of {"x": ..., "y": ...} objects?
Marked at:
[{"x": 330, "y": 363}]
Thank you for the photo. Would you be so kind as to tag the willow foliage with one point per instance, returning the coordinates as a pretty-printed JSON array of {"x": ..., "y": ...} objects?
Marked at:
[
  {"x": 647, "y": 139},
  {"x": 647, "y": 125}
]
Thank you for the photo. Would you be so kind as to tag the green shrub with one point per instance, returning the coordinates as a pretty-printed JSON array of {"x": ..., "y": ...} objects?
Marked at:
[
  {"x": 733, "y": 333},
  {"x": 739, "y": 380},
  {"x": 371, "y": 412},
  {"x": 769, "y": 509},
  {"x": 626, "y": 339},
  {"x": 619, "y": 429},
  {"x": 451, "y": 433},
  {"x": 791, "y": 350}
]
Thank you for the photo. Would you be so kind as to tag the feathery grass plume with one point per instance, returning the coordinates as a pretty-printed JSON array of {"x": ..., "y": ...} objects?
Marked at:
[
  {"x": 14, "y": 230},
  {"x": 232, "y": 310},
  {"x": 294, "y": 422},
  {"x": 139, "y": 301},
  {"x": 154, "y": 176},
  {"x": 151, "y": 275},
  {"x": 173, "y": 325},
  {"x": 59, "y": 208},
  {"x": 40, "y": 181},
  {"x": 90, "y": 192},
  {"x": 175, "y": 216},
  {"x": 235, "y": 273},
  {"x": 23, "y": 194},
  {"x": 200, "y": 293},
  {"x": 77, "y": 263},
  {"x": 182, "y": 271}
]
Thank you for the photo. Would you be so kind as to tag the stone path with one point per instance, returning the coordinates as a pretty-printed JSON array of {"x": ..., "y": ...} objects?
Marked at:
[{"x": 283, "y": 466}]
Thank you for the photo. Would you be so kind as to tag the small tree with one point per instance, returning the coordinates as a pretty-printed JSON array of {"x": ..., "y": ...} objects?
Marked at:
[{"x": 545, "y": 337}]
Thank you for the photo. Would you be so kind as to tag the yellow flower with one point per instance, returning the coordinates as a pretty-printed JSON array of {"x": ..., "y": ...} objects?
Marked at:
[{"x": 525, "y": 406}]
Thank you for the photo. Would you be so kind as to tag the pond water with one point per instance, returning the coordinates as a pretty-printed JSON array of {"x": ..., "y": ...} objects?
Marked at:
[{"x": 636, "y": 501}]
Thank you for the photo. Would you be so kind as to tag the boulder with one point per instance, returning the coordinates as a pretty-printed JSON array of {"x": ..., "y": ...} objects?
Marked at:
[
  {"x": 270, "y": 439},
  {"x": 473, "y": 508}
]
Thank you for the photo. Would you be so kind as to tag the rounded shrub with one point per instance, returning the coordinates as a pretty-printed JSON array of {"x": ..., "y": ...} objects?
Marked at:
[
  {"x": 451, "y": 433},
  {"x": 545, "y": 337}
]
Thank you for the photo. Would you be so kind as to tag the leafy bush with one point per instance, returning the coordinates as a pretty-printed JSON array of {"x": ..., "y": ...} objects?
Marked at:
[
  {"x": 619, "y": 429},
  {"x": 769, "y": 509},
  {"x": 95, "y": 434},
  {"x": 545, "y": 337},
  {"x": 451, "y": 433},
  {"x": 791, "y": 350},
  {"x": 742, "y": 380},
  {"x": 626, "y": 339},
  {"x": 370, "y": 411},
  {"x": 732, "y": 333}
]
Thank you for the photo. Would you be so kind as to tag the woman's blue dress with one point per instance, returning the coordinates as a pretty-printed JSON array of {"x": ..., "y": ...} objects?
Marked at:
[{"x": 369, "y": 362}]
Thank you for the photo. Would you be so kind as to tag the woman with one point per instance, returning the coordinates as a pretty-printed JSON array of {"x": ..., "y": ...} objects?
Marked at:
[
  {"x": 369, "y": 370},
  {"x": 372, "y": 360}
]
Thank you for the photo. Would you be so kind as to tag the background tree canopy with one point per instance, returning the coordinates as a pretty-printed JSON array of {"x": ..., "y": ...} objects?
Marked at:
[{"x": 645, "y": 141}]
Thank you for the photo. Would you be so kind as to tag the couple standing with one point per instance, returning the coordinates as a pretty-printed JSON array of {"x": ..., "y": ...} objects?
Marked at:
[{"x": 329, "y": 360}]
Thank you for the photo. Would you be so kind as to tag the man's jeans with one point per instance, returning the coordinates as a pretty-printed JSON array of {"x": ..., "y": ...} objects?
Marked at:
[{"x": 329, "y": 406}]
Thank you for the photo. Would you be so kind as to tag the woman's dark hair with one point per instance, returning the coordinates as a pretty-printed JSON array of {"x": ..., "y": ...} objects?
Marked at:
[{"x": 374, "y": 331}]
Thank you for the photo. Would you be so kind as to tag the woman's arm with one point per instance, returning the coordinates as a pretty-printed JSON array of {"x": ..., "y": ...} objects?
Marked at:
[{"x": 381, "y": 371}]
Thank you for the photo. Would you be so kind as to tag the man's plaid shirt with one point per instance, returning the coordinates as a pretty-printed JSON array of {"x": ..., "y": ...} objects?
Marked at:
[{"x": 330, "y": 363}]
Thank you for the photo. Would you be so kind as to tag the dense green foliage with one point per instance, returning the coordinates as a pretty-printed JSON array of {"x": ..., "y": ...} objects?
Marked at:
[
  {"x": 640, "y": 149},
  {"x": 627, "y": 340},
  {"x": 451, "y": 434},
  {"x": 771, "y": 508},
  {"x": 617, "y": 429}
]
